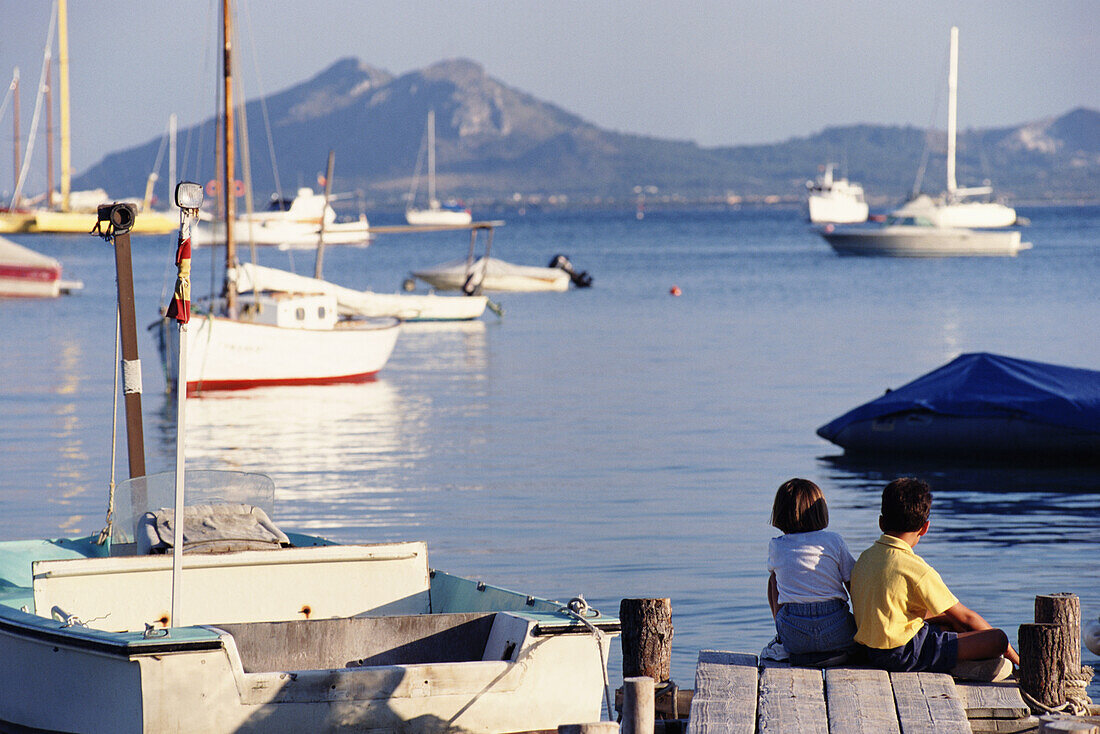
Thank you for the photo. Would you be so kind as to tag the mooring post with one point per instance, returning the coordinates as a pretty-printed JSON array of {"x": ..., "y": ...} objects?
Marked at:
[
  {"x": 646, "y": 638},
  {"x": 596, "y": 727},
  {"x": 639, "y": 711},
  {"x": 1064, "y": 610},
  {"x": 1041, "y": 663}
]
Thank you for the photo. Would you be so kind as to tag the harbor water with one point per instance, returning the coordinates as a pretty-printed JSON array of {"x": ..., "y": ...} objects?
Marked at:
[{"x": 612, "y": 442}]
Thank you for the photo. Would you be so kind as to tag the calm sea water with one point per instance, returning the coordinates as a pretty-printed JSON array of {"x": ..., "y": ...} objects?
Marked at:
[{"x": 615, "y": 442}]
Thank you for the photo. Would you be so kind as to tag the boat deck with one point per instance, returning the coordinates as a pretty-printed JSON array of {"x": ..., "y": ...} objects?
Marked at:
[{"x": 734, "y": 693}]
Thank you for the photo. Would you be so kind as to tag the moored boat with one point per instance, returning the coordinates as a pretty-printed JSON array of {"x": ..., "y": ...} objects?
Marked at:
[
  {"x": 26, "y": 273},
  {"x": 290, "y": 225},
  {"x": 835, "y": 200},
  {"x": 276, "y": 631},
  {"x": 491, "y": 274},
  {"x": 981, "y": 405},
  {"x": 437, "y": 212},
  {"x": 918, "y": 237},
  {"x": 350, "y": 302},
  {"x": 958, "y": 206}
]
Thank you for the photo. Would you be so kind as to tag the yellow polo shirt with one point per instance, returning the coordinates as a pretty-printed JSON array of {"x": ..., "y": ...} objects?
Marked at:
[{"x": 893, "y": 590}]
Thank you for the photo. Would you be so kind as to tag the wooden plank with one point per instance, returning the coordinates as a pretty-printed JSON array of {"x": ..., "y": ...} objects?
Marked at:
[
  {"x": 725, "y": 694},
  {"x": 860, "y": 700},
  {"x": 1001, "y": 700},
  {"x": 1005, "y": 726},
  {"x": 792, "y": 700},
  {"x": 928, "y": 703}
]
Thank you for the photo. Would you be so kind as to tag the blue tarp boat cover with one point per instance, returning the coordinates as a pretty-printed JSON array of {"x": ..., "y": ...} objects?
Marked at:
[{"x": 990, "y": 385}]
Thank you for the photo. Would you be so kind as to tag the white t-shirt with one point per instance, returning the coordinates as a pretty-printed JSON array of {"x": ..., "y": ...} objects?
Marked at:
[{"x": 810, "y": 566}]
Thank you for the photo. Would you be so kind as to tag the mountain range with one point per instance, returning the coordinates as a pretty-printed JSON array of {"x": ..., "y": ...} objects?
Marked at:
[{"x": 494, "y": 141}]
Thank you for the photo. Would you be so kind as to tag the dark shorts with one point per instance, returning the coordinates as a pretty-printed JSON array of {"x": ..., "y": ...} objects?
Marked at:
[{"x": 932, "y": 649}]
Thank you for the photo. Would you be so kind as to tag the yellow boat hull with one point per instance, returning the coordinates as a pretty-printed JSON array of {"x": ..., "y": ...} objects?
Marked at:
[
  {"x": 84, "y": 222},
  {"x": 15, "y": 222}
]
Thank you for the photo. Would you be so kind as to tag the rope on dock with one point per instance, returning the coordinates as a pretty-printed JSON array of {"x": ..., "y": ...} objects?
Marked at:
[
  {"x": 578, "y": 609},
  {"x": 1077, "y": 701}
]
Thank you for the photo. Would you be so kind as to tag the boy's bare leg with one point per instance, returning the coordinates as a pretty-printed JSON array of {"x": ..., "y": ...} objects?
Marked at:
[{"x": 985, "y": 644}]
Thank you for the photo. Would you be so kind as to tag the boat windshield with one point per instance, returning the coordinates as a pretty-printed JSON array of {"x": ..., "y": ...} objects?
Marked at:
[
  {"x": 908, "y": 220},
  {"x": 135, "y": 497}
]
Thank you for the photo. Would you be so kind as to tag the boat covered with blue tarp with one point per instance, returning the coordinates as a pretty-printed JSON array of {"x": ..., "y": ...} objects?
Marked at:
[{"x": 979, "y": 404}]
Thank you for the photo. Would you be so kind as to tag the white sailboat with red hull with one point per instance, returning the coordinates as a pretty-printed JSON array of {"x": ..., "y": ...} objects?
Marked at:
[
  {"x": 25, "y": 273},
  {"x": 275, "y": 338}
]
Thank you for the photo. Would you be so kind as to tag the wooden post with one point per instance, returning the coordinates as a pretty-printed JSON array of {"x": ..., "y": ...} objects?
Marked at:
[
  {"x": 598, "y": 727},
  {"x": 1064, "y": 610},
  {"x": 1041, "y": 663},
  {"x": 646, "y": 638},
  {"x": 638, "y": 706}
]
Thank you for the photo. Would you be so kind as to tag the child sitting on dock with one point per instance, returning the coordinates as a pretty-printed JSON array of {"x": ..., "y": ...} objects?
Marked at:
[
  {"x": 810, "y": 569},
  {"x": 907, "y": 618}
]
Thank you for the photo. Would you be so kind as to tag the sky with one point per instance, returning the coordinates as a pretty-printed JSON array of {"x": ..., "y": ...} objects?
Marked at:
[{"x": 719, "y": 72}]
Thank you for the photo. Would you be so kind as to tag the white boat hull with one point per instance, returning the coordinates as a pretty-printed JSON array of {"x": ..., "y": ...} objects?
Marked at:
[
  {"x": 423, "y": 657},
  {"x": 824, "y": 210},
  {"x": 404, "y": 306},
  {"x": 282, "y": 234},
  {"x": 497, "y": 275},
  {"x": 25, "y": 273},
  {"x": 424, "y": 217},
  {"x": 227, "y": 354},
  {"x": 915, "y": 241}
]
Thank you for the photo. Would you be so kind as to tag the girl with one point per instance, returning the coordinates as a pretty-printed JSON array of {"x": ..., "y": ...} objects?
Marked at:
[{"x": 811, "y": 569}]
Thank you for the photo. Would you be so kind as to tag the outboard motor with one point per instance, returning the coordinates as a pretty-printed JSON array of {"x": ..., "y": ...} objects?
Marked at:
[{"x": 581, "y": 279}]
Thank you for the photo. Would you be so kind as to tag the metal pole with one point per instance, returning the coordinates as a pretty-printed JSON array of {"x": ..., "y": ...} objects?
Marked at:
[
  {"x": 131, "y": 365},
  {"x": 227, "y": 133},
  {"x": 321, "y": 238},
  {"x": 181, "y": 424}
]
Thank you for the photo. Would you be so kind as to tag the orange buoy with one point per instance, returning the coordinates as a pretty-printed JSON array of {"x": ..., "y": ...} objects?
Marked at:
[{"x": 675, "y": 290}]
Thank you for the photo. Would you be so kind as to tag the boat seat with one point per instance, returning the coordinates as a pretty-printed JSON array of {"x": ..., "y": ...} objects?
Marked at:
[{"x": 213, "y": 528}]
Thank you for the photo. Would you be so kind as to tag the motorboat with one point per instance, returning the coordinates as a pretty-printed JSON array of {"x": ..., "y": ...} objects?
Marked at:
[
  {"x": 294, "y": 224},
  {"x": 437, "y": 212},
  {"x": 980, "y": 405},
  {"x": 958, "y": 206},
  {"x": 913, "y": 236},
  {"x": 252, "y": 278},
  {"x": 835, "y": 200},
  {"x": 25, "y": 273},
  {"x": 275, "y": 631},
  {"x": 491, "y": 274},
  {"x": 276, "y": 338}
]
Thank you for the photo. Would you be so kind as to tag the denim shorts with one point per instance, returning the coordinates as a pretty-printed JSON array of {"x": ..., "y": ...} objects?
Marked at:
[
  {"x": 932, "y": 650},
  {"x": 820, "y": 626}
]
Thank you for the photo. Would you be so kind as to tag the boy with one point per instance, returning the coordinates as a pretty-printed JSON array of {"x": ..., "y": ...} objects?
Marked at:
[{"x": 906, "y": 617}]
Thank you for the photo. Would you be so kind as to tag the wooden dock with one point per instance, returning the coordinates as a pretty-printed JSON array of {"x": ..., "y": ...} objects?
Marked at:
[{"x": 734, "y": 694}]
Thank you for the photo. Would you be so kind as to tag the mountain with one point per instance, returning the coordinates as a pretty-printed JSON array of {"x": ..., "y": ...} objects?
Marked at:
[{"x": 494, "y": 140}]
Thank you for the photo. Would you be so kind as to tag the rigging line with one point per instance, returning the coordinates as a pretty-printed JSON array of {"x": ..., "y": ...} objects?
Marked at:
[
  {"x": 416, "y": 171},
  {"x": 929, "y": 132},
  {"x": 160, "y": 151},
  {"x": 246, "y": 164},
  {"x": 37, "y": 109},
  {"x": 189, "y": 166},
  {"x": 11, "y": 90},
  {"x": 263, "y": 104}
]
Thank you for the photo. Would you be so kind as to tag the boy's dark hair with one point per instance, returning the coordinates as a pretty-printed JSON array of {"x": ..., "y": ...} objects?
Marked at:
[
  {"x": 906, "y": 504},
  {"x": 799, "y": 507}
]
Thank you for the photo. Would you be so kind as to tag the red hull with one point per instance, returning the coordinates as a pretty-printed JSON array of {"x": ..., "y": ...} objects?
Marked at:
[{"x": 194, "y": 388}]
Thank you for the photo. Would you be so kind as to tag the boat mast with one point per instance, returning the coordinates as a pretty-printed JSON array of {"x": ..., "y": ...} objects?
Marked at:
[
  {"x": 431, "y": 159},
  {"x": 15, "y": 120},
  {"x": 49, "y": 138},
  {"x": 227, "y": 131},
  {"x": 63, "y": 93},
  {"x": 952, "y": 112}
]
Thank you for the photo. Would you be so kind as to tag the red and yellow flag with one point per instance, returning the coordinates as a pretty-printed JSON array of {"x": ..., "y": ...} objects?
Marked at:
[{"x": 180, "y": 307}]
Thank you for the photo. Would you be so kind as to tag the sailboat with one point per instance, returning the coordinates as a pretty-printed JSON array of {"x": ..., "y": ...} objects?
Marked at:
[
  {"x": 76, "y": 212},
  {"x": 277, "y": 338},
  {"x": 437, "y": 212},
  {"x": 957, "y": 206}
]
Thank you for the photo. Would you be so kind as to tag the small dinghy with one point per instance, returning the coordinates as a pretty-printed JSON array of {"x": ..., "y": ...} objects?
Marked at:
[{"x": 981, "y": 405}]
